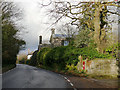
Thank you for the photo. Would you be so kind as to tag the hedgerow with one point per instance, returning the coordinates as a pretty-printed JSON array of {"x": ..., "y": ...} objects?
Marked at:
[
  {"x": 66, "y": 55},
  {"x": 41, "y": 55}
]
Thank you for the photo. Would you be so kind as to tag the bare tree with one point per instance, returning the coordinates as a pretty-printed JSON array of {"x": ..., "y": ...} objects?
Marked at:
[
  {"x": 9, "y": 12},
  {"x": 93, "y": 15},
  {"x": 68, "y": 29}
]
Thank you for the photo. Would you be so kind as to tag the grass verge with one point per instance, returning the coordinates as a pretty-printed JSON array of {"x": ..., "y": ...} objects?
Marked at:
[
  {"x": 5, "y": 68},
  {"x": 103, "y": 76},
  {"x": 76, "y": 73},
  {"x": 65, "y": 72}
]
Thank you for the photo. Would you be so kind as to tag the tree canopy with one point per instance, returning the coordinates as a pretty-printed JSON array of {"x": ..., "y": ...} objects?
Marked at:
[
  {"x": 11, "y": 43},
  {"x": 91, "y": 15}
]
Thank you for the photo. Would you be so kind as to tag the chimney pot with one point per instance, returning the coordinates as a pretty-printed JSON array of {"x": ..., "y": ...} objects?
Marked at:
[
  {"x": 40, "y": 39},
  {"x": 53, "y": 30}
]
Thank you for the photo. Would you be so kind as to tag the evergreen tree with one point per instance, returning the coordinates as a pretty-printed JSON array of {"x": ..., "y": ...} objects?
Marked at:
[{"x": 11, "y": 43}]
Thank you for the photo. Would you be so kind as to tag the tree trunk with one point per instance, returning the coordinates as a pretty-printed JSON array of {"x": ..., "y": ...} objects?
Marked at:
[
  {"x": 97, "y": 27},
  {"x": 99, "y": 33}
]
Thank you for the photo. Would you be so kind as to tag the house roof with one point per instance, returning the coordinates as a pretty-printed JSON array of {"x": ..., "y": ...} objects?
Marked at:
[{"x": 60, "y": 35}]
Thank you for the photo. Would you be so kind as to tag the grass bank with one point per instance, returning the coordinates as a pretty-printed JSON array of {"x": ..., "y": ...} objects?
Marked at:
[
  {"x": 6, "y": 68},
  {"x": 64, "y": 72},
  {"x": 78, "y": 74}
]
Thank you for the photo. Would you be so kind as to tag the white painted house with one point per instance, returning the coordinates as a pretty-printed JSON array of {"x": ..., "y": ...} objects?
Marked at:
[{"x": 29, "y": 56}]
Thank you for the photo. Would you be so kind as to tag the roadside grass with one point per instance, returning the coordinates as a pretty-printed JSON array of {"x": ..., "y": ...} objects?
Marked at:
[
  {"x": 76, "y": 73},
  {"x": 64, "y": 72},
  {"x": 5, "y": 68},
  {"x": 102, "y": 76}
]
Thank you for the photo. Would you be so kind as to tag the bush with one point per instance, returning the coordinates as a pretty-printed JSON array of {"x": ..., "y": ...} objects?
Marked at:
[
  {"x": 61, "y": 57},
  {"x": 71, "y": 54},
  {"x": 22, "y": 61},
  {"x": 28, "y": 62},
  {"x": 41, "y": 55},
  {"x": 54, "y": 57},
  {"x": 113, "y": 50},
  {"x": 33, "y": 60}
]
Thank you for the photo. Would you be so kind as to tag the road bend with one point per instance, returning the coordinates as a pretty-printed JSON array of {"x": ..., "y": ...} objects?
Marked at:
[{"x": 25, "y": 76}]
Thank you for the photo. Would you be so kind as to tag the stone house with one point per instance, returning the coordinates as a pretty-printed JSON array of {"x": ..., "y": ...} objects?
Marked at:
[
  {"x": 55, "y": 40},
  {"x": 42, "y": 45},
  {"x": 58, "y": 39}
]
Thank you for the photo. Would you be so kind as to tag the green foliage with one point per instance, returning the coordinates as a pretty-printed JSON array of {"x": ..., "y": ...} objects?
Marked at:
[
  {"x": 82, "y": 39},
  {"x": 66, "y": 57},
  {"x": 28, "y": 62},
  {"x": 23, "y": 61},
  {"x": 71, "y": 67},
  {"x": 11, "y": 44},
  {"x": 91, "y": 53},
  {"x": 33, "y": 60},
  {"x": 72, "y": 53},
  {"x": 41, "y": 55},
  {"x": 6, "y": 68},
  {"x": 113, "y": 49},
  {"x": 54, "y": 56}
]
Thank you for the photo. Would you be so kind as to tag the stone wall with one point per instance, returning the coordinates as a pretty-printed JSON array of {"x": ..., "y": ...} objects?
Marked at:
[{"x": 100, "y": 67}]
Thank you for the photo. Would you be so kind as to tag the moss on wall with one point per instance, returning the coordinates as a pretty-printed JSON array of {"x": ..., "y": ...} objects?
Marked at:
[{"x": 100, "y": 67}]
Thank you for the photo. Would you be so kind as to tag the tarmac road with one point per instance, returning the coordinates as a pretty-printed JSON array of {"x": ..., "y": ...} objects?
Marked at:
[{"x": 25, "y": 76}]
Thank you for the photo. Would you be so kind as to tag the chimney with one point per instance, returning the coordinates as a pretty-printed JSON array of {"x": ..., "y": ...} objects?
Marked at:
[
  {"x": 40, "y": 39},
  {"x": 53, "y": 31}
]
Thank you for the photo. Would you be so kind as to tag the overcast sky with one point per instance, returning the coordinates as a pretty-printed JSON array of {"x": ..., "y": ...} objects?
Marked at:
[{"x": 34, "y": 23}]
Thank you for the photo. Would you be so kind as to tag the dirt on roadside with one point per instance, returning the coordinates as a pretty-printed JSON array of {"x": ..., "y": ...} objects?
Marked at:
[{"x": 83, "y": 82}]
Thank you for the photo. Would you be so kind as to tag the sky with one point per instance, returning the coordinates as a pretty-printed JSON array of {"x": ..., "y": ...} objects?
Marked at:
[{"x": 35, "y": 23}]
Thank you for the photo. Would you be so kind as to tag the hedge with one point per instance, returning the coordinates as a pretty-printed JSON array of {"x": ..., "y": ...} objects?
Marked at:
[{"x": 66, "y": 55}]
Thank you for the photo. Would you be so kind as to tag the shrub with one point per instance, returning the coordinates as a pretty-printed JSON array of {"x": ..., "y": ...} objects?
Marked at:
[
  {"x": 22, "y": 61},
  {"x": 28, "y": 62},
  {"x": 33, "y": 60},
  {"x": 71, "y": 67},
  {"x": 61, "y": 57},
  {"x": 113, "y": 50},
  {"x": 42, "y": 54},
  {"x": 54, "y": 56}
]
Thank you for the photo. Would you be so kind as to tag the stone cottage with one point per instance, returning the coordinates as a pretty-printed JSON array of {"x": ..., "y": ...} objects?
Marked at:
[
  {"x": 41, "y": 45},
  {"x": 58, "y": 39},
  {"x": 55, "y": 40}
]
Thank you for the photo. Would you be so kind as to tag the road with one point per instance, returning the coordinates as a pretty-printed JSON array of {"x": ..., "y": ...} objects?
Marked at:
[{"x": 25, "y": 76}]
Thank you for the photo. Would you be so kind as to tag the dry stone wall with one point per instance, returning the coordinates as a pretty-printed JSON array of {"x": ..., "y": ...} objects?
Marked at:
[{"x": 99, "y": 67}]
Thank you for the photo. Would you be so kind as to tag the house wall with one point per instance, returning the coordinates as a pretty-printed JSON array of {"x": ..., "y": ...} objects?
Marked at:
[
  {"x": 44, "y": 46},
  {"x": 57, "y": 41},
  {"x": 29, "y": 56}
]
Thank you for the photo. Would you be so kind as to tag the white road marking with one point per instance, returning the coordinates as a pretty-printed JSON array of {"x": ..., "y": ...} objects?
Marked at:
[
  {"x": 71, "y": 84},
  {"x": 68, "y": 80},
  {"x": 65, "y": 77}
]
